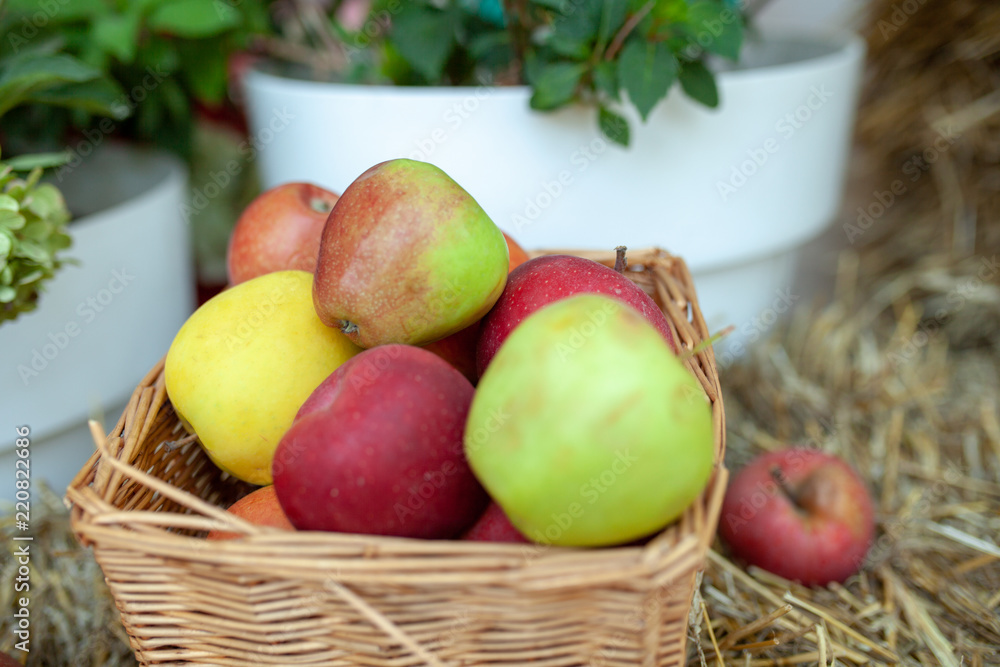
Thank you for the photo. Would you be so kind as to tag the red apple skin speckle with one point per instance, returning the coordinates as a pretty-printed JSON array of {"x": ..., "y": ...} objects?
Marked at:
[{"x": 822, "y": 539}]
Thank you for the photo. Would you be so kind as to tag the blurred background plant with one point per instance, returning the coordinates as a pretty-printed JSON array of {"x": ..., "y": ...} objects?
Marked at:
[
  {"x": 166, "y": 72},
  {"x": 594, "y": 52}
]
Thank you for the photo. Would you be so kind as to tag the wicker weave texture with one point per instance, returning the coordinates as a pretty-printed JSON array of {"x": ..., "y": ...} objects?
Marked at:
[{"x": 147, "y": 496}]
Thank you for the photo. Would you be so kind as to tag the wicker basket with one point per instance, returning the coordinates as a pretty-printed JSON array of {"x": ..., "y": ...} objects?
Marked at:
[{"x": 146, "y": 498}]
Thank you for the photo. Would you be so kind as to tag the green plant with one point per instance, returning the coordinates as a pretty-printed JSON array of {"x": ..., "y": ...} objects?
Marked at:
[
  {"x": 33, "y": 219},
  {"x": 596, "y": 52},
  {"x": 157, "y": 55},
  {"x": 33, "y": 215}
]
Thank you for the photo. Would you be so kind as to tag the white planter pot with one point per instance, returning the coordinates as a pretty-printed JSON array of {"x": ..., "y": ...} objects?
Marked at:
[
  {"x": 101, "y": 325},
  {"x": 735, "y": 191}
]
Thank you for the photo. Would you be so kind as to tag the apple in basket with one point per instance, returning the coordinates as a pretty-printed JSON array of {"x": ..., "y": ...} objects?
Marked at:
[
  {"x": 244, "y": 362},
  {"x": 801, "y": 514},
  {"x": 377, "y": 449},
  {"x": 545, "y": 279},
  {"x": 279, "y": 230},
  {"x": 459, "y": 349},
  {"x": 260, "y": 508},
  {"x": 407, "y": 256},
  {"x": 586, "y": 428}
]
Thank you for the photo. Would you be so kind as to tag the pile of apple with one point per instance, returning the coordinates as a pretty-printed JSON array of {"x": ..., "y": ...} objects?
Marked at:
[{"x": 374, "y": 367}]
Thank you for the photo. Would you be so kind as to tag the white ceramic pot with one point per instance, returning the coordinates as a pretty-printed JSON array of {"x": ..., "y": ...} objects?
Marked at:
[
  {"x": 101, "y": 325},
  {"x": 735, "y": 191}
]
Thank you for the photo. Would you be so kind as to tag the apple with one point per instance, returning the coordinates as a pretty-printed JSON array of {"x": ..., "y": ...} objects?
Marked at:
[
  {"x": 801, "y": 514},
  {"x": 407, "y": 256},
  {"x": 493, "y": 526},
  {"x": 280, "y": 230},
  {"x": 586, "y": 429},
  {"x": 542, "y": 280},
  {"x": 377, "y": 449},
  {"x": 243, "y": 363},
  {"x": 259, "y": 507},
  {"x": 459, "y": 349}
]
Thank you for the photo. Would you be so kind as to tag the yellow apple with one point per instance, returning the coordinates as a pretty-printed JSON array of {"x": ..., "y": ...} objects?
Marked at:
[{"x": 243, "y": 364}]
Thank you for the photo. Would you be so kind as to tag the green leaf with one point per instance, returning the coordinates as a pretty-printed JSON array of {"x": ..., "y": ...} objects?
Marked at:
[
  {"x": 606, "y": 79},
  {"x": 575, "y": 31},
  {"x": 48, "y": 204},
  {"x": 699, "y": 83},
  {"x": 8, "y": 203},
  {"x": 646, "y": 70},
  {"x": 6, "y": 243},
  {"x": 204, "y": 74},
  {"x": 7, "y": 294},
  {"x": 100, "y": 96},
  {"x": 556, "y": 84},
  {"x": 68, "y": 10},
  {"x": 118, "y": 34},
  {"x": 194, "y": 18},
  {"x": 613, "y": 13},
  {"x": 561, "y": 6},
  {"x": 716, "y": 28},
  {"x": 34, "y": 251},
  {"x": 424, "y": 37},
  {"x": 613, "y": 126},
  {"x": 43, "y": 160},
  {"x": 22, "y": 76},
  {"x": 11, "y": 220}
]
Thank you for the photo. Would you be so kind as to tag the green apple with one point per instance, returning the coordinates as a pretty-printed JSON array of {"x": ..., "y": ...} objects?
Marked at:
[
  {"x": 587, "y": 429},
  {"x": 407, "y": 256},
  {"x": 244, "y": 362}
]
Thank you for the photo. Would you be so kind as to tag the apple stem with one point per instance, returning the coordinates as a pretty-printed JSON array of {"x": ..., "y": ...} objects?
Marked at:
[
  {"x": 620, "y": 262},
  {"x": 348, "y": 327},
  {"x": 779, "y": 478},
  {"x": 320, "y": 206}
]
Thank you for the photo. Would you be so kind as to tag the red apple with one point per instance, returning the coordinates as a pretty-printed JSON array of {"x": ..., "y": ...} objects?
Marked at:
[
  {"x": 459, "y": 350},
  {"x": 542, "y": 280},
  {"x": 493, "y": 526},
  {"x": 259, "y": 507},
  {"x": 407, "y": 256},
  {"x": 801, "y": 514},
  {"x": 377, "y": 449},
  {"x": 278, "y": 231}
]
